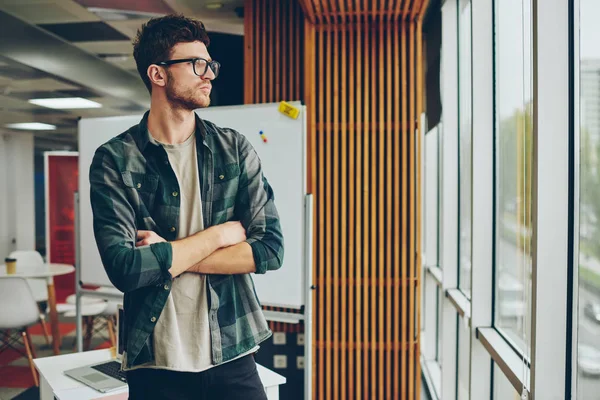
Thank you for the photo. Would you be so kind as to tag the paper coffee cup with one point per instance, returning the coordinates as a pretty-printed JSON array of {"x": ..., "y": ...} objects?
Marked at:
[{"x": 11, "y": 266}]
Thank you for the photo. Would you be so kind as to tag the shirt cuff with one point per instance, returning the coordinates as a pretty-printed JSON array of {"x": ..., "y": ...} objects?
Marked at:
[{"x": 163, "y": 252}]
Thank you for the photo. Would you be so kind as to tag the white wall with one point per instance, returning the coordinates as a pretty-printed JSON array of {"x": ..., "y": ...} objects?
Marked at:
[{"x": 17, "y": 210}]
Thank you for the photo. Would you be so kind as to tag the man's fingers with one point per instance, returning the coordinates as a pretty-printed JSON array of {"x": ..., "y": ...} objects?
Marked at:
[{"x": 143, "y": 234}]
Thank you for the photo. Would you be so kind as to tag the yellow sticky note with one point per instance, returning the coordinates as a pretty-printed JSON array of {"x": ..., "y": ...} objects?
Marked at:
[{"x": 289, "y": 110}]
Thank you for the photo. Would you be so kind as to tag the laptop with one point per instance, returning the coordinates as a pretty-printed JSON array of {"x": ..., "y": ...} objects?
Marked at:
[{"x": 106, "y": 376}]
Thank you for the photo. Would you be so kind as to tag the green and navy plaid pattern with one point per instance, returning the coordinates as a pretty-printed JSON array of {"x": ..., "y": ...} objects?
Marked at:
[{"x": 133, "y": 187}]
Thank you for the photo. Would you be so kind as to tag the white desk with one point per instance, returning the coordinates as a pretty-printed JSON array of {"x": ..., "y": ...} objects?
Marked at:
[{"x": 53, "y": 381}]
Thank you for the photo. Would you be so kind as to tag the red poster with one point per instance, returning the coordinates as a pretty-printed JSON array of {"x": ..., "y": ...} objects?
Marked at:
[{"x": 61, "y": 182}]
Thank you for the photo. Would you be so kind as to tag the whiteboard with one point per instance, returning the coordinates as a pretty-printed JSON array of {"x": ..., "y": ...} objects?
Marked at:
[{"x": 283, "y": 159}]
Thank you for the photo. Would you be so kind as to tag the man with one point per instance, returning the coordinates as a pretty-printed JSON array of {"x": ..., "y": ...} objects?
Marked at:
[{"x": 182, "y": 216}]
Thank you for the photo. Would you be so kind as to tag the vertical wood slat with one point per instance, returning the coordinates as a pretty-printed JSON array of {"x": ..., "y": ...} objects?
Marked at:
[
  {"x": 404, "y": 236},
  {"x": 366, "y": 209},
  {"x": 276, "y": 15},
  {"x": 336, "y": 232},
  {"x": 269, "y": 35},
  {"x": 359, "y": 190},
  {"x": 299, "y": 61},
  {"x": 373, "y": 213},
  {"x": 411, "y": 213},
  {"x": 389, "y": 187},
  {"x": 321, "y": 238},
  {"x": 380, "y": 209},
  {"x": 293, "y": 57},
  {"x": 249, "y": 50},
  {"x": 344, "y": 221},
  {"x": 263, "y": 50},
  {"x": 328, "y": 205},
  {"x": 396, "y": 212},
  {"x": 351, "y": 218}
]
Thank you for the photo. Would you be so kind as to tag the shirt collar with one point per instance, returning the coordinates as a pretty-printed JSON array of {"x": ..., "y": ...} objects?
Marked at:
[{"x": 142, "y": 137}]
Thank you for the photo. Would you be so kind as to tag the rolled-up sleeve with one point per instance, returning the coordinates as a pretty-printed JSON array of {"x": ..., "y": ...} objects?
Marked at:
[
  {"x": 255, "y": 205},
  {"x": 128, "y": 267}
]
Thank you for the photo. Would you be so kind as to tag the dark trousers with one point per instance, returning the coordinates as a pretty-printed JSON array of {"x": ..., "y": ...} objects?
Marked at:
[{"x": 234, "y": 380}]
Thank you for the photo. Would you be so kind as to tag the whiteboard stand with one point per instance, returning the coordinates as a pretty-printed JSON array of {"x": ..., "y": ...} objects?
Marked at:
[
  {"x": 78, "y": 333},
  {"x": 309, "y": 288}
]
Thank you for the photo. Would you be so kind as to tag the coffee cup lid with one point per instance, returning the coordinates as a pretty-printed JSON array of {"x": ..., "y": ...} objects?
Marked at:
[{"x": 8, "y": 259}]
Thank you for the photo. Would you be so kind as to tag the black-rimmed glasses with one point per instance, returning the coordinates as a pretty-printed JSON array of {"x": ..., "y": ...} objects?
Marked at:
[{"x": 200, "y": 65}]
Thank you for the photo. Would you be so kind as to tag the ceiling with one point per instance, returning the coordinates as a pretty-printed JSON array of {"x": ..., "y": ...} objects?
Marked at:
[{"x": 82, "y": 48}]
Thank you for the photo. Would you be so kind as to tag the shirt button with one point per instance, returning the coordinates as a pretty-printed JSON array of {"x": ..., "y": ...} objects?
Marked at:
[
  {"x": 221, "y": 176},
  {"x": 139, "y": 185},
  {"x": 166, "y": 162},
  {"x": 172, "y": 229},
  {"x": 175, "y": 194},
  {"x": 153, "y": 319},
  {"x": 166, "y": 287}
]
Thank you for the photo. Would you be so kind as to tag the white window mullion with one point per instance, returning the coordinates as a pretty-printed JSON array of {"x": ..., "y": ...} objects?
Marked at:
[
  {"x": 449, "y": 196},
  {"x": 551, "y": 134},
  {"x": 483, "y": 192}
]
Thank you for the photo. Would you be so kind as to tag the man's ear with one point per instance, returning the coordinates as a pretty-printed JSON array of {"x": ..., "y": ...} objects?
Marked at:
[{"x": 157, "y": 75}]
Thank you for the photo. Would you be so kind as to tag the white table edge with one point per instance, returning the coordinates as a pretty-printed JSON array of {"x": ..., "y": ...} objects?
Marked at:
[{"x": 52, "y": 375}]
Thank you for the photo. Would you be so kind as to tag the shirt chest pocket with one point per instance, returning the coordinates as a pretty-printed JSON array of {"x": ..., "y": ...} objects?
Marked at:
[
  {"x": 227, "y": 173},
  {"x": 143, "y": 188},
  {"x": 226, "y": 179}
]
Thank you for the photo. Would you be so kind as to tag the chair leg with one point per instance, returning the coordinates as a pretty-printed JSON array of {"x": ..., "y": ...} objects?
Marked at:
[
  {"x": 89, "y": 330},
  {"x": 30, "y": 357},
  {"x": 45, "y": 329},
  {"x": 30, "y": 343},
  {"x": 111, "y": 330}
]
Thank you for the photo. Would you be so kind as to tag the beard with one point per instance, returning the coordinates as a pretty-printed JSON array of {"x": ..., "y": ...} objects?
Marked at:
[{"x": 189, "y": 98}]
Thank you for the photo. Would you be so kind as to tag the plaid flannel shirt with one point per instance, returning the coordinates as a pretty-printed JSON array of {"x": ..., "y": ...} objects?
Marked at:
[{"x": 133, "y": 187}]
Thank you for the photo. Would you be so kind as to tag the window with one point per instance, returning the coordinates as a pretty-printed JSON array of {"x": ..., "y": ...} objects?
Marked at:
[
  {"x": 588, "y": 346},
  {"x": 465, "y": 144},
  {"x": 431, "y": 240},
  {"x": 464, "y": 359},
  {"x": 432, "y": 203},
  {"x": 514, "y": 123}
]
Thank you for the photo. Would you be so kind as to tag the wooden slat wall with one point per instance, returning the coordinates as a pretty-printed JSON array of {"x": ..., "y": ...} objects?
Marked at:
[{"x": 357, "y": 66}]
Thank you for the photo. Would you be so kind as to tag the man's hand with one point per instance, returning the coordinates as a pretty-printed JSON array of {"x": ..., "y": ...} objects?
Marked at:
[
  {"x": 232, "y": 233},
  {"x": 146, "y": 238}
]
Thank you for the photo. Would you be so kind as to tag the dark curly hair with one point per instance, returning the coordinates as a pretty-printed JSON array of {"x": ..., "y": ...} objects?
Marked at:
[{"x": 157, "y": 37}]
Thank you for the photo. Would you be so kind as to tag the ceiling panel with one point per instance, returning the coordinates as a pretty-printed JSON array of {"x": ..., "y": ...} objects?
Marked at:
[
  {"x": 153, "y": 6},
  {"x": 85, "y": 31},
  {"x": 48, "y": 11},
  {"x": 12, "y": 103},
  {"x": 107, "y": 47},
  {"x": 39, "y": 85}
]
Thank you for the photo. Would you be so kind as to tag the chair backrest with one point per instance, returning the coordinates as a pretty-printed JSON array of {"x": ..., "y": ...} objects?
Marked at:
[
  {"x": 27, "y": 257},
  {"x": 18, "y": 308}
]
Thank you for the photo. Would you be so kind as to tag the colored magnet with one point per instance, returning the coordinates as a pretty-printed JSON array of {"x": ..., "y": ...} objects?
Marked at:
[{"x": 263, "y": 137}]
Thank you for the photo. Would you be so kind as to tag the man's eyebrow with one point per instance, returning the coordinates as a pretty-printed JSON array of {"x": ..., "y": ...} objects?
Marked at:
[{"x": 192, "y": 57}]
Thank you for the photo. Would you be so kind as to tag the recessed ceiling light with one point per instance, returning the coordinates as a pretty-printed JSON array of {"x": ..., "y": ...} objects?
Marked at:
[
  {"x": 66, "y": 103},
  {"x": 110, "y": 14},
  {"x": 115, "y": 58},
  {"x": 214, "y": 6},
  {"x": 32, "y": 126}
]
